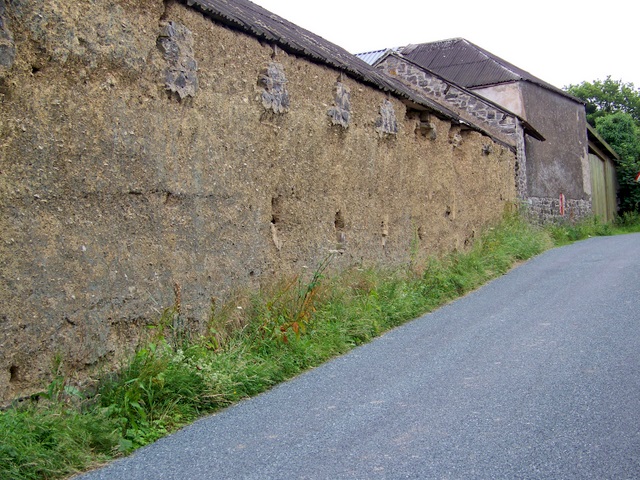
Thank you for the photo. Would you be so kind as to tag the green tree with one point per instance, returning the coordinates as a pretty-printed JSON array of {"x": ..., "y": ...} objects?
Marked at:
[
  {"x": 623, "y": 134},
  {"x": 613, "y": 108},
  {"x": 606, "y": 97}
]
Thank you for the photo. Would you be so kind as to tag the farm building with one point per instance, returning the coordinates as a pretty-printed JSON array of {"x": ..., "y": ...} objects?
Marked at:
[{"x": 553, "y": 175}]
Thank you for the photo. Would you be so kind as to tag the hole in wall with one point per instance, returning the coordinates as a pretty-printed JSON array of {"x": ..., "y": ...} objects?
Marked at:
[
  {"x": 276, "y": 209},
  {"x": 425, "y": 126},
  {"x": 339, "y": 225},
  {"x": 339, "y": 221},
  {"x": 384, "y": 226},
  {"x": 165, "y": 13},
  {"x": 171, "y": 199},
  {"x": 13, "y": 373}
]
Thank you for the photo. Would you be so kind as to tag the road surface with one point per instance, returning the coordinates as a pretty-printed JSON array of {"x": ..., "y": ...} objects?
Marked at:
[{"x": 534, "y": 376}]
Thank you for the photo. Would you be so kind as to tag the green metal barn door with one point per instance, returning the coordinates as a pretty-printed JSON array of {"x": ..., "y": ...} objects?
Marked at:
[
  {"x": 611, "y": 183},
  {"x": 598, "y": 187}
]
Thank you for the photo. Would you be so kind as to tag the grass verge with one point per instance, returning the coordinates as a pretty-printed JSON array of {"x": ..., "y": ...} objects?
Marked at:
[{"x": 272, "y": 336}]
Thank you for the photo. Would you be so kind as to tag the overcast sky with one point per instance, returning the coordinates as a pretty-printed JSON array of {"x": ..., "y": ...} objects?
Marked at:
[{"x": 562, "y": 42}]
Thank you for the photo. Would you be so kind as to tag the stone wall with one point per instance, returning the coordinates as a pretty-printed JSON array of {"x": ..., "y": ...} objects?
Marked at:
[
  {"x": 521, "y": 162},
  {"x": 552, "y": 210},
  {"x": 146, "y": 148},
  {"x": 494, "y": 118}
]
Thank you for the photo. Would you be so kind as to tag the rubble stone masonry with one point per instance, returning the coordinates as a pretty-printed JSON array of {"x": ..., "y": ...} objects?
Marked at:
[{"x": 494, "y": 118}]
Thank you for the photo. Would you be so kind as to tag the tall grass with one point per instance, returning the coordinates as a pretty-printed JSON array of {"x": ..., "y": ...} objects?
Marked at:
[
  {"x": 563, "y": 233},
  {"x": 52, "y": 440},
  {"x": 251, "y": 344},
  {"x": 629, "y": 222}
]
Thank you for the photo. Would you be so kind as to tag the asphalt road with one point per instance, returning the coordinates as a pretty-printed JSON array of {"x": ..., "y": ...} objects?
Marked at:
[{"x": 534, "y": 376}]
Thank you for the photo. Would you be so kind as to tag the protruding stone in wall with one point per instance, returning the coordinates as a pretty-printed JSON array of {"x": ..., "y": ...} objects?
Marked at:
[
  {"x": 455, "y": 138},
  {"x": 384, "y": 227},
  {"x": 387, "y": 122},
  {"x": 339, "y": 225},
  {"x": 276, "y": 217},
  {"x": 176, "y": 44},
  {"x": 275, "y": 237},
  {"x": 426, "y": 127},
  {"x": 7, "y": 46},
  {"x": 273, "y": 81},
  {"x": 340, "y": 113}
]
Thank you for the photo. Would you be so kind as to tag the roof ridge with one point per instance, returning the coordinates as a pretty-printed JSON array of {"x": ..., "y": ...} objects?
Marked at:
[
  {"x": 509, "y": 69},
  {"x": 499, "y": 60}
]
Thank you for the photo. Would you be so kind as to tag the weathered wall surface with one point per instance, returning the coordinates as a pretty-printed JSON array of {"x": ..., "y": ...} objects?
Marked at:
[
  {"x": 506, "y": 94},
  {"x": 562, "y": 165},
  {"x": 559, "y": 166},
  {"x": 140, "y": 149}
]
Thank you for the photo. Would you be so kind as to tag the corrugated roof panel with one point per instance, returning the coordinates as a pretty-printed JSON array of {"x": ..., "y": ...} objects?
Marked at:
[
  {"x": 470, "y": 66},
  {"x": 433, "y": 56},
  {"x": 448, "y": 56},
  {"x": 371, "y": 57},
  {"x": 460, "y": 62},
  {"x": 488, "y": 72}
]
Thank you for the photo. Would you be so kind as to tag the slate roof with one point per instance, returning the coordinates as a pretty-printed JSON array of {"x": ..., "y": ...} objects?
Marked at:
[
  {"x": 258, "y": 22},
  {"x": 471, "y": 66}
]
